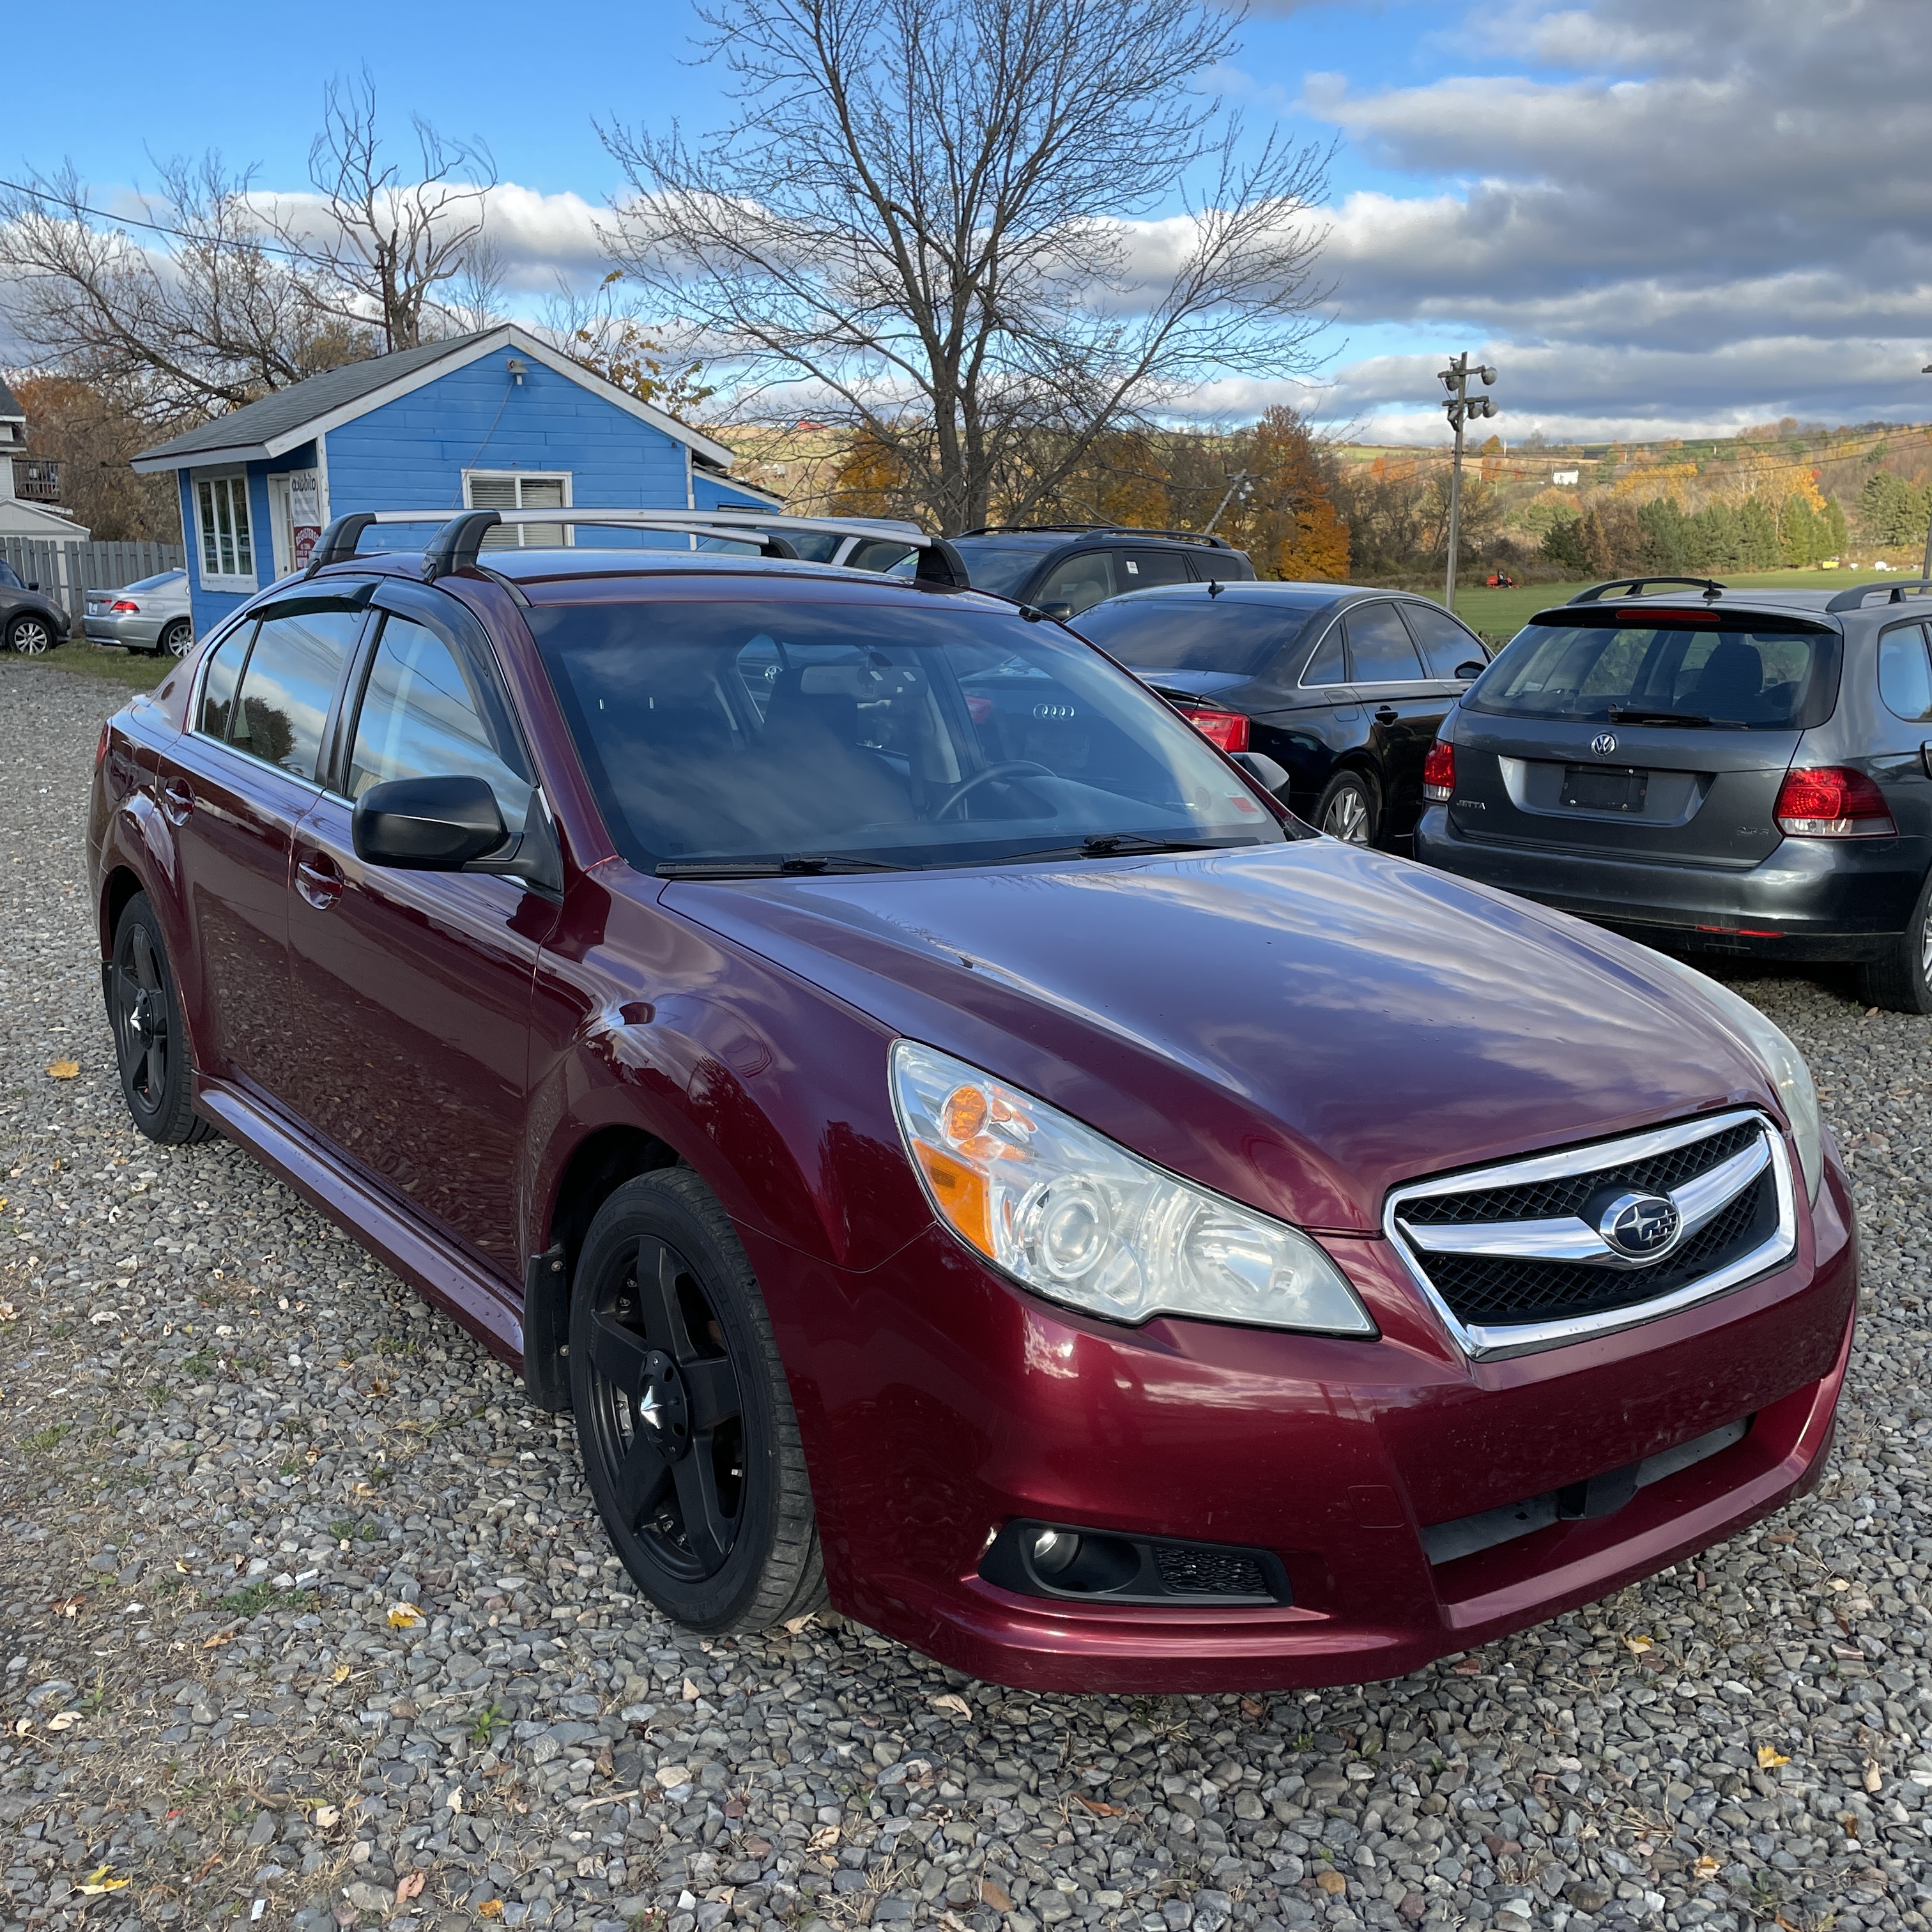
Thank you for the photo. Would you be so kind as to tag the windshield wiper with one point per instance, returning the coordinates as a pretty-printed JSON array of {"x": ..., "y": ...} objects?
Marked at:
[
  {"x": 1634, "y": 714},
  {"x": 795, "y": 864},
  {"x": 1114, "y": 845}
]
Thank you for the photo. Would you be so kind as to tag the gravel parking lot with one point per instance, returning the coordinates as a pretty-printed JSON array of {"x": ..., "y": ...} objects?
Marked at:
[{"x": 307, "y": 1620}]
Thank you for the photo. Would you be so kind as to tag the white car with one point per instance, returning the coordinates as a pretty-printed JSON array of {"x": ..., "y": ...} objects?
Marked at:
[{"x": 152, "y": 615}]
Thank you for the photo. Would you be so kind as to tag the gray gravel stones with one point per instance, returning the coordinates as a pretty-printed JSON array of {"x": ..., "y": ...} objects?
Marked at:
[{"x": 305, "y": 1613}]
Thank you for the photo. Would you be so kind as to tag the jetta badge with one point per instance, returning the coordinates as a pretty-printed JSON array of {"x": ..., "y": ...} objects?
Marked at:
[
  {"x": 1604, "y": 743},
  {"x": 1641, "y": 1227}
]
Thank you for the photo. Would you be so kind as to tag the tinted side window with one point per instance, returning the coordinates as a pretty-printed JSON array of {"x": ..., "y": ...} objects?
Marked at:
[
  {"x": 1330, "y": 664},
  {"x": 1140, "y": 568},
  {"x": 1379, "y": 650},
  {"x": 291, "y": 676},
  {"x": 7, "y": 579},
  {"x": 429, "y": 713},
  {"x": 217, "y": 683},
  {"x": 1904, "y": 676},
  {"x": 1082, "y": 581},
  {"x": 1444, "y": 642}
]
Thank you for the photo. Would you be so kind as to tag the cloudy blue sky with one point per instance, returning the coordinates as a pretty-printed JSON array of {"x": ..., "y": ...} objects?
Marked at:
[{"x": 1657, "y": 217}]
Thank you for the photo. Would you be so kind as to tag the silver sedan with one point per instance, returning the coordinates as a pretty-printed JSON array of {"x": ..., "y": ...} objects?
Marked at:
[{"x": 152, "y": 615}]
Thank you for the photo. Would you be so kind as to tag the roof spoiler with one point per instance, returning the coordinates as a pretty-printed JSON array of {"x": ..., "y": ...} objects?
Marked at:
[
  {"x": 1854, "y": 598},
  {"x": 1633, "y": 586}
]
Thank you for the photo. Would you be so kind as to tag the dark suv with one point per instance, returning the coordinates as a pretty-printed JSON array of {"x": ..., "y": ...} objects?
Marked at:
[
  {"x": 1066, "y": 569},
  {"x": 951, "y": 1138},
  {"x": 1711, "y": 770},
  {"x": 1344, "y": 689},
  {"x": 30, "y": 621}
]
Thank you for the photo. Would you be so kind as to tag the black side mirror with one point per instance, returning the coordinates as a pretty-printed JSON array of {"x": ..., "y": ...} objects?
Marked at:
[
  {"x": 427, "y": 825},
  {"x": 1063, "y": 612},
  {"x": 1472, "y": 668},
  {"x": 1263, "y": 770}
]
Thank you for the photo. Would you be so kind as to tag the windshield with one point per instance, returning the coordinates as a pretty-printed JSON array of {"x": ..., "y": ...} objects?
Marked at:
[
  {"x": 1192, "y": 633},
  {"x": 998, "y": 567},
  {"x": 1770, "y": 678},
  {"x": 860, "y": 732}
]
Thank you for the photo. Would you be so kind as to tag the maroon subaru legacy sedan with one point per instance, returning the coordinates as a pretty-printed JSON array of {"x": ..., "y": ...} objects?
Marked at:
[{"x": 957, "y": 1145}]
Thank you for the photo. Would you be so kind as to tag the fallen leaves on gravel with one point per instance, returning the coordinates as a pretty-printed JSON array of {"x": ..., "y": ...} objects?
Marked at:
[
  {"x": 66, "y": 1069},
  {"x": 97, "y": 1882},
  {"x": 490, "y": 1908},
  {"x": 951, "y": 1700},
  {"x": 405, "y": 1616},
  {"x": 1637, "y": 1645},
  {"x": 408, "y": 1886},
  {"x": 1769, "y": 1758},
  {"x": 996, "y": 1896}
]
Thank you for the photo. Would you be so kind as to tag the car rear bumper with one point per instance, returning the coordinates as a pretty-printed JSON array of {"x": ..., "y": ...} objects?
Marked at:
[
  {"x": 1811, "y": 898},
  {"x": 962, "y": 1404},
  {"x": 140, "y": 633}
]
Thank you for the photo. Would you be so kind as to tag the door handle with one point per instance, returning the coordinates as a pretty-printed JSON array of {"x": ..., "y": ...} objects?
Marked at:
[
  {"x": 1925, "y": 757},
  {"x": 1387, "y": 714},
  {"x": 318, "y": 880},
  {"x": 177, "y": 800}
]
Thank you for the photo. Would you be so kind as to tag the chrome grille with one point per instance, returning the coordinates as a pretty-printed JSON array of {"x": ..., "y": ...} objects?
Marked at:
[{"x": 1515, "y": 1258}]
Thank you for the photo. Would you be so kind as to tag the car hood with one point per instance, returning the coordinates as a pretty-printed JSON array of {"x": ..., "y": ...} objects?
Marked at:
[{"x": 1301, "y": 1026}]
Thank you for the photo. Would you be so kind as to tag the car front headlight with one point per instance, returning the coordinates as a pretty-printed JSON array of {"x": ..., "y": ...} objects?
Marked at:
[
  {"x": 1078, "y": 1219},
  {"x": 1781, "y": 1061}
]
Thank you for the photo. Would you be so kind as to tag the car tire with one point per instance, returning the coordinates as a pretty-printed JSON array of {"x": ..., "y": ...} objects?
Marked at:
[
  {"x": 30, "y": 635},
  {"x": 1350, "y": 808},
  {"x": 177, "y": 640},
  {"x": 151, "y": 1049},
  {"x": 1901, "y": 981},
  {"x": 684, "y": 1416}
]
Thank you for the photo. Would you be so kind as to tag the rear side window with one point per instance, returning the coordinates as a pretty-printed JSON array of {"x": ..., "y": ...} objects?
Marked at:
[
  {"x": 1330, "y": 664},
  {"x": 1444, "y": 643},
  {"x": 1196, "y": 633},
  {"x": 429, "y": 713},
  {"x": 1904, "y": 676},
  {"x": 1379, "y": 650},
  {"x": 1766, "y": 678},
  {"x": 1141, "y": 568},
  {"x": 288, "y": 684},
  {"x": 8, "y": 580}
]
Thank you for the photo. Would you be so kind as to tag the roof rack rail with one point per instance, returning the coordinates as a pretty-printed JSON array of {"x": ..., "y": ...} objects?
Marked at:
[
  {"x": 1634, "y": 586},
  {"x": 1093, "y": 529},
  {"x": 1854, "y": 598},
  {"x": 459, "y": 539}
]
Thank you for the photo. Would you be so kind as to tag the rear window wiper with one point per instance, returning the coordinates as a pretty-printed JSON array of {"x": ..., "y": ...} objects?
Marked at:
[
  {"x": 796, "y": 864},
  {"x": 1635, "y": 714}
]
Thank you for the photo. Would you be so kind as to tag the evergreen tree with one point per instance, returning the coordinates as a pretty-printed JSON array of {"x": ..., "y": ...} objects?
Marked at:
[
  {"x": 1757, "y": 535},
  {"x": 1563, "y": 545},
  {"x": 1666, "y": 539},
  {"x": 1835, "y": 534},
  {"x": 1798, "y": 533}
]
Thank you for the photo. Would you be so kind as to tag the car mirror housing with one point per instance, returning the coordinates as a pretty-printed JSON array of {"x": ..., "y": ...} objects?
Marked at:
[
  {"x": 1470, "y": 670},
  {"x": 1262, "y": 768},
  {"x": 428, "y": 825}
]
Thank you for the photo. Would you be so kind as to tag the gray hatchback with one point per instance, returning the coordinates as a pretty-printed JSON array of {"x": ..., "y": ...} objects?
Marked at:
[{"x": 1719, "y": 771}]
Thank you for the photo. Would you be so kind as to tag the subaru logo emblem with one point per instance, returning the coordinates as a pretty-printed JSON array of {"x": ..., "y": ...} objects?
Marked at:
[
  {"x": 1604, "y": 743},
  {"x": 1641, "y": 1227}
]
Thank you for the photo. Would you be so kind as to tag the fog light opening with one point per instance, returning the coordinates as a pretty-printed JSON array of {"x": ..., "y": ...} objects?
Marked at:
[{"x": 1054, "y": 1550}]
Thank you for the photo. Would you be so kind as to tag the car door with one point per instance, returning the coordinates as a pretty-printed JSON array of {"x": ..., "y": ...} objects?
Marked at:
[
  {"x": 1901, "y": 760},
  {"x": 1405, "y": 707},
  {"x": 233, "y": 786},
  {"x": 416, "y": 986}
]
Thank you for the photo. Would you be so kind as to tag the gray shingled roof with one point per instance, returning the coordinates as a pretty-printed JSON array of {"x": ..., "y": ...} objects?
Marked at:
[
  {"x": 8, "y": 406},
  {"x": 287, "y": 409}
]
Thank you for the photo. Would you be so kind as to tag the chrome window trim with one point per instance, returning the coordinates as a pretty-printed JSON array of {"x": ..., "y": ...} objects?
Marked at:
[{"x": 1493, "y": 1342}]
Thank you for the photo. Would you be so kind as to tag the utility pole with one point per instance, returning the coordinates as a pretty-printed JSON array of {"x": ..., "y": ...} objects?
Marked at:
[
  {"x": 1456, "y": 380},
  {"x": 1925, "y": 570}
]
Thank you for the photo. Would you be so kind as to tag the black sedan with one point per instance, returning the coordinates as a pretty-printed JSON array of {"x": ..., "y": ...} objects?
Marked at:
[
  {"x": 1344, "y": 688},
  {"x": 29, "y": 622}
]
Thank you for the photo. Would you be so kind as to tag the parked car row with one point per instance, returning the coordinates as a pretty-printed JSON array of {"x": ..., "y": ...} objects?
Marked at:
[
  {"x": 151, "y": 615},
  {"x": 955, "y": 1141}
]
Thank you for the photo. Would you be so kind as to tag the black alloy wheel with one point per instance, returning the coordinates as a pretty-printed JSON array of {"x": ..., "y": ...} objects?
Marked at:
[
  {"x": 1349, "y": 808},
  {"x": 150, "y": 1042},
  {"x": 684, "y": 1419},
  {"x": 30, "y": 635},
  {"x": 177, "y": 640}
]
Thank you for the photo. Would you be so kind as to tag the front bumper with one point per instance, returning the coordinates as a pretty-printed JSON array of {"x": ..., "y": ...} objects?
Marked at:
[
  {"x": 1811, "y": 899},
  {"x": 141, "y": 632},
  {"x": 942, "y": 1402}
]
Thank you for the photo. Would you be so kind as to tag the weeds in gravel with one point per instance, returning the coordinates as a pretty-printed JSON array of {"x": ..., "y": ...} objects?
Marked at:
[
  {"x": 265, "y": 1596},
  {"x": 43, "y": 1441},
  {"x": 484, "y": 1725},
  {"x": 160, "y": 1394},
  {"x": 198, "y": 1366}
]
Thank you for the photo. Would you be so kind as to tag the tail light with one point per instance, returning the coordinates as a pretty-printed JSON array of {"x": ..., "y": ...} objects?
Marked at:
[
  {"x": 1831, "y": 801},
  {"x": 1228, "y": 729},
  {"x": 100, "y": 748},
  {"x": 1438, "y": 773},
  {"x": 124, "y": 604}
]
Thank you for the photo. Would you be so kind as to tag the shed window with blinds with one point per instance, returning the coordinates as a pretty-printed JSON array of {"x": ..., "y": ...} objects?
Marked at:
[
  {"x": 520, "y": 490},
  {"x": 227, "y": 546}
]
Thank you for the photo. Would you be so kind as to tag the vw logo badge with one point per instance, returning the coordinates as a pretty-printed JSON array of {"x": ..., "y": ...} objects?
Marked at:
[
  {"x": 1641, "y": 1227},
  {"x": 1604, "y": 743}
]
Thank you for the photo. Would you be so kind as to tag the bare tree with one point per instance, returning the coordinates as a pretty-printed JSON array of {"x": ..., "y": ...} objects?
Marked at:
[
  {"x": 604, "y": 330},
  {"x": 209, "y": 321},
  {"x": 476, "y": 291},
  {"x": 378, "y": 249},
  {"x": 925, "y": 219}
]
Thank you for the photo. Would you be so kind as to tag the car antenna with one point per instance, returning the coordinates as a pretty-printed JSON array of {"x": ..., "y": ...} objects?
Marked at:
[{"x": 1214, "y": 586}]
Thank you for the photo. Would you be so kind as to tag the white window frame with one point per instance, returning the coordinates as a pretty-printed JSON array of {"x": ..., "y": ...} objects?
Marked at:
[
  {"x": 520, "y": 478},
  {"x": 231, "y": 580}
]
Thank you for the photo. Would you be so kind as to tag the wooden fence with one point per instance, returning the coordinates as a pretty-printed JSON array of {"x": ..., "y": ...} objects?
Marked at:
[{"x": 68, "y": 571}]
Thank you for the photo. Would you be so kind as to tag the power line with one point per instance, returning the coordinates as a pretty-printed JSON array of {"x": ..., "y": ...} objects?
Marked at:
[{"x": 153, "y": 227}]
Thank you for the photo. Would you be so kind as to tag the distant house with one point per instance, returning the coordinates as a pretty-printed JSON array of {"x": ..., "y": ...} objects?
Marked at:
[
  {"x": 29, "y": 486},
  {"x": 492, "y": 420},
  {"x": 1565, "y": 479}
]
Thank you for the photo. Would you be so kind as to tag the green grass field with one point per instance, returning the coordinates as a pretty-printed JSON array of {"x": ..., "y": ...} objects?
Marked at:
[
  {"x": 1500, "y": 614},
  {"x": 135, "y": 671}
]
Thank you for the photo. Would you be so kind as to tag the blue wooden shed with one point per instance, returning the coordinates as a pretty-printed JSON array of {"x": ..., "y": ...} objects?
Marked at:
[{"x": 494, "y": 420}]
